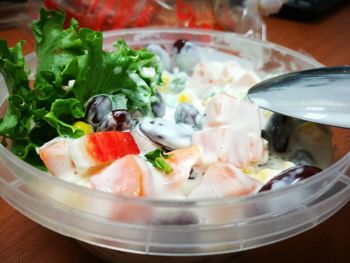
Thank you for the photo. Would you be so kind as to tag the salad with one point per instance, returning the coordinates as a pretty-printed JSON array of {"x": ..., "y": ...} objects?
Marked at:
[{"x": 149, "y": 122}]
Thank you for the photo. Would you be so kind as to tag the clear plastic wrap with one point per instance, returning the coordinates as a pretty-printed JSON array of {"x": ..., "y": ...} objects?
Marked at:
[{"x": 240, "y": 16}]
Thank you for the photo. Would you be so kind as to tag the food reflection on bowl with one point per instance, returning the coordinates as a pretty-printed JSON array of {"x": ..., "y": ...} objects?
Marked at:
[{"x": 190, "y": 227}]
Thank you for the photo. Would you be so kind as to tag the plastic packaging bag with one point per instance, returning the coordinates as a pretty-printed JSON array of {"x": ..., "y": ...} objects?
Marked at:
[{"x": 241, "y": 16}]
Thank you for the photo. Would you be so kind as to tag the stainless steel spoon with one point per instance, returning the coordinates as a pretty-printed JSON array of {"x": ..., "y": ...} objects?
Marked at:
[{"x": 319, "y": 95}]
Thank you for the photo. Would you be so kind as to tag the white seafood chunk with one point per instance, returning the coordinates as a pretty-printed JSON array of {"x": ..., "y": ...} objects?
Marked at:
[
  {"x": 224, "y": 109},
  {"x": 128, "y": 176},
  {"x": 56, "y": 157},
  {"x": 232, "y": 133},
  {"x": 227, "y": 145},
  {"x": 209, "y": 78},
  {"x": 176, "y": 185},
  {"x": 222, "y": 180},
  {"x": 182, "y": 161}
]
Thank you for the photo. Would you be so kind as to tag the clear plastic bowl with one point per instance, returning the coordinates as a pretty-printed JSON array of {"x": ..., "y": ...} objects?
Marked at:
[{"x": 182, "y": 228}]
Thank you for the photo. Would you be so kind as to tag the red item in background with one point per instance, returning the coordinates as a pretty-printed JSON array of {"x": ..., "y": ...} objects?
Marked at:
[
  {"x": 242, "y": 17},
  {"x": 100, "y": 15},
  {"x": 115, "y": 14},
  {"x": 185, "y": 12}
]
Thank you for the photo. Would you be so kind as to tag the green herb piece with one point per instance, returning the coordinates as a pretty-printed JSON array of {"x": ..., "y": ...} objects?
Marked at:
[{"x": 157, "y": 159}]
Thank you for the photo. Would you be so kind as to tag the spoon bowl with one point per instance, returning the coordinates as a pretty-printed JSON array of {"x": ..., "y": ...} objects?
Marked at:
[{"x": 320, "y": 95}]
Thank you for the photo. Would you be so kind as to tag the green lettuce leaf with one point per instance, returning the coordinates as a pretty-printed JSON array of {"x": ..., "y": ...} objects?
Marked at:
[
  {"x": 71, "y": 68},
  {"x": 26, "y": 150},
  {"x": 76, "y": 54},
  {"x": 55, "y": 48},
  {"x": 63, "y": 112},
  {"x": 13, "y": 68},
  {"x": 116, "y": 72}
]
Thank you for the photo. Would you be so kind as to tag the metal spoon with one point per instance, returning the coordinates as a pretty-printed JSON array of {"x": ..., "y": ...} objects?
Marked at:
[{"x": 319, "y": 95}]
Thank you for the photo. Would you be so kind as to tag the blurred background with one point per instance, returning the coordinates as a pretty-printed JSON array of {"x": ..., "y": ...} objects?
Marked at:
[{"x": 241, "y": 16}]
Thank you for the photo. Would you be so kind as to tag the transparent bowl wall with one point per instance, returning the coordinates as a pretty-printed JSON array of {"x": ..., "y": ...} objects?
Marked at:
[{"x": 179, "y": 228}]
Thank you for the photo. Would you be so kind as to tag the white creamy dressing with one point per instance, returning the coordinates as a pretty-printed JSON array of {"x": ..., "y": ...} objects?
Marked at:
[{"x": 224, "y": 75}]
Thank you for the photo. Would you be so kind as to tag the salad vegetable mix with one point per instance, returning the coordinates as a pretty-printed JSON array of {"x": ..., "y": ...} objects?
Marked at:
[
  {"x": 148, "y": 122},
  {"x": 72, "y": 67}
]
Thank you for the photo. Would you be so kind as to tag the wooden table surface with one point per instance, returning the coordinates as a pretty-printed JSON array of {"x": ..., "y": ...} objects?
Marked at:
[{"x": 327, "y": 40}]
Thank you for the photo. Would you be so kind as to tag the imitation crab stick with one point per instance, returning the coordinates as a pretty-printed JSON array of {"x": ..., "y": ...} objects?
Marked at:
[
  {"x": 222, "y": 180},
  {"x": 128, "y": 176},
  {"x": 131, "y": 175},
  {"x": 173, "y": 184},
  {"x": 232, "y": 133},
  {"x": 224, "y": 109},
  {"x": 88, "y": 153},
  {"x": 98, "y": 149},
  {"x": 227, "y": 145},
  {"x": 182, "y": 161}
]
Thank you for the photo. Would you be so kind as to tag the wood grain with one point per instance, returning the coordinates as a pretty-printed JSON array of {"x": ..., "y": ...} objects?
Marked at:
[{"x": 327, "y": 40}]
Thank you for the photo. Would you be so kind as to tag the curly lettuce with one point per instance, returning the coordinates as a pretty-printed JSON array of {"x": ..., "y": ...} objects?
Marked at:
[{"x": 71, "y": 68}]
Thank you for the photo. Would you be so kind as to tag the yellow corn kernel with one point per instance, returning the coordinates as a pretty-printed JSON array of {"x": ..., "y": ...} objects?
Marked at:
[
  {"x": 248, "y": 170},
  {"x": 184, "y": 97},
  {"x": 165, "y": 78},
  {"x": 85, "y": 127}
]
